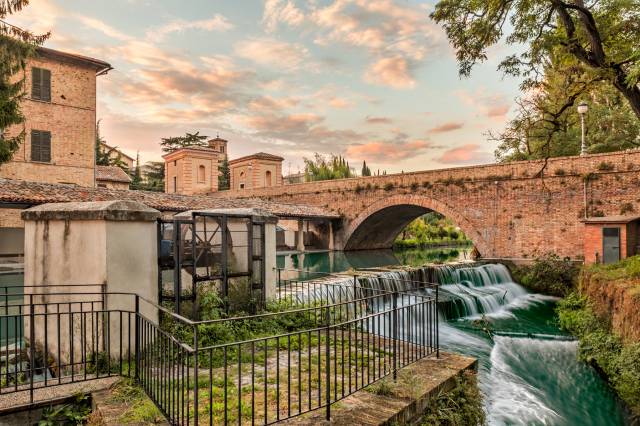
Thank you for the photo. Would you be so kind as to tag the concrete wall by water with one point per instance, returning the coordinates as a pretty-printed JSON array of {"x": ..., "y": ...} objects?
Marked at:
[{"x": 73, "y": 253}]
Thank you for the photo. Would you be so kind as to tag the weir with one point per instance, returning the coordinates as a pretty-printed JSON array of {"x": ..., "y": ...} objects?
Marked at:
[{"x": 528, "y": 368}]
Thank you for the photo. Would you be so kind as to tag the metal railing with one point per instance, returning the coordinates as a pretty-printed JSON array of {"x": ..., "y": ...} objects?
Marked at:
[{"x": 197, "y": 372}]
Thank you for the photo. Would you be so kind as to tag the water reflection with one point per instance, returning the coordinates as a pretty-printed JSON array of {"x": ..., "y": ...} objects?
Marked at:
[{"x": 339, "y": 261}]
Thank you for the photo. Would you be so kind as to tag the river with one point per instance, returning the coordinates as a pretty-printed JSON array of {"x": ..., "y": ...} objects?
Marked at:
[{"x": 528, "y": 369}]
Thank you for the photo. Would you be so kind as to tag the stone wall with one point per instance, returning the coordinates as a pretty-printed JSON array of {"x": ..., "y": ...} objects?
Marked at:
[
  {"x": 71, "y": 119},
  {"x": 519, "y": 209}
]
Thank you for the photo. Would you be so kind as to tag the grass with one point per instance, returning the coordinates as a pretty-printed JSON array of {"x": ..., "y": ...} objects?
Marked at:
[
  {"x": 137, "y": 407},
  {"x": 280, "y": 384},
  {"x": 625, "y": 269}
]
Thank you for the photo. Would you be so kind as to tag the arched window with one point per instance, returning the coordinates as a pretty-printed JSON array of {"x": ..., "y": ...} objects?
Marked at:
[
  {"x": 202, "y": 174},
  {"x": 267, "y": 178}
]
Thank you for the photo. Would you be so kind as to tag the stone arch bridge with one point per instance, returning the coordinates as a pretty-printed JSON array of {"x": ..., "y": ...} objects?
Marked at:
[{"x": 513, "y": 210}]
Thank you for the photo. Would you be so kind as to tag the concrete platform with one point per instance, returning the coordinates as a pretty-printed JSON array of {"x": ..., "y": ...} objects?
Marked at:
[{"x": 415, "y": 387}]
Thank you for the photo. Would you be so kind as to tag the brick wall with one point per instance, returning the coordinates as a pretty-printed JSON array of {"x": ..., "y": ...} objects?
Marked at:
[
  {"x": 518, "y": 209},
  {"x": 70, "y": 117}
]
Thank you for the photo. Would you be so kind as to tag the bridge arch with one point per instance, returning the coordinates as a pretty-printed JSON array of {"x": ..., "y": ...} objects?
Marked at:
[{"x": 379, "y": 224}]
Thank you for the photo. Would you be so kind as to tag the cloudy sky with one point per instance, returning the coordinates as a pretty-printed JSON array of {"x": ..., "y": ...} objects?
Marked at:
[{"x": 373, "y": 80}]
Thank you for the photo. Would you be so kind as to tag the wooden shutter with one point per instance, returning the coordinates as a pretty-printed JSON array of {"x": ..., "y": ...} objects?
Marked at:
[
  {"x": 41, "y": 84},
  {"x": 40, "y": 146},
  {"x": 46, "y": 86},
  {"x": 36, "y": 84},
  {"x": 45, "y": 147}
]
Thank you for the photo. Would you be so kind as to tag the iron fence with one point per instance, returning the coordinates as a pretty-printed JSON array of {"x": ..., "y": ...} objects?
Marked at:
[{"x": 324, "y": 350}]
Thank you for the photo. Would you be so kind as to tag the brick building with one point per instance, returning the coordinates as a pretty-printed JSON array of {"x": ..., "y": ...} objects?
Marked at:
[
  {"x": 194, "y": 170},
  {"x": 112, "y": 177},
  {"x": 260, "y": 170},
  {"x": 60, "y": 120}
]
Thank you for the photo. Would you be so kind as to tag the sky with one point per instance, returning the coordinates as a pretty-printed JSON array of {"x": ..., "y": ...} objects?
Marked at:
[{"x": 372, "y": 80}]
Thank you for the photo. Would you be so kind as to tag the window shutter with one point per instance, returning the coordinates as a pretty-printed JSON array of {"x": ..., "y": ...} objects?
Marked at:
[
  {"x": 36, "y": 83},
  {"x": 46, "y": 85},
  {"x": 41, "y": 84},
  {"x": 35, "y": 145},
  {"x": 45, "y": 146},
  {"x": 41, "y": 146}
]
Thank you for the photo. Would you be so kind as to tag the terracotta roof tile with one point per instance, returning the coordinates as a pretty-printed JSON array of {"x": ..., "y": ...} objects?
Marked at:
[
  {"x": 34, "y": 193},
  {"x": 258, "y": 155},
  {"x": 112, "y": 174}
]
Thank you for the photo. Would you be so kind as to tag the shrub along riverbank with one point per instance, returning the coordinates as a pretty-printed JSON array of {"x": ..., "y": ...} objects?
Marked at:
[{"x": 600, "y": 307}]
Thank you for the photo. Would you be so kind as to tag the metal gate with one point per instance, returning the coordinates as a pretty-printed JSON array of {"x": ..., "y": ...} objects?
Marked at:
[{"x": 212, "y": 251}]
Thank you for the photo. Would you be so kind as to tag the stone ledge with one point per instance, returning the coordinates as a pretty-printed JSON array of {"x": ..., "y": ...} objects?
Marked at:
[
  {"x": 417, "y": 385},
  {"x": 117, "y": 210}
]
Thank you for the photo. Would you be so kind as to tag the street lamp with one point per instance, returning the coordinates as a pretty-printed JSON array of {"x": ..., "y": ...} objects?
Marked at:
[{"x": 582, "y": 110}]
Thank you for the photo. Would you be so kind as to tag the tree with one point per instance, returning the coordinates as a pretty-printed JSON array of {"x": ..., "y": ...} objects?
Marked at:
[
  {"x": 136, "y": 178},
  {"x": 16, "y": 46},
  {"x": 105, "y": 155},
  {"x": 603, "y": 35},
  {"x": 224, "y": 178},
  {"x": 177, "y": 142},
  {"x": 153, "y": 176},
  {"x": 366, "y": 171},
  {"x": 321, "y": 168},
  {"x": 547, "y": 123}
]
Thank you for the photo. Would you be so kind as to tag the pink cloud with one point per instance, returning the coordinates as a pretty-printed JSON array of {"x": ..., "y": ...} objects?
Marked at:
[
  {"x": 386, "y": 152},
  {"x": 394, "y": 72},
  {"x": 465, "y": 154},
  {"x": 446, "y": 127},
  {"x": 491, "y": 105},
  {"x": 378, "y": 120}
]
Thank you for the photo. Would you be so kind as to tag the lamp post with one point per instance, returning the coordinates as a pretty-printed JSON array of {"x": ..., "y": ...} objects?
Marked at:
[{"x": 582, "y": 110}]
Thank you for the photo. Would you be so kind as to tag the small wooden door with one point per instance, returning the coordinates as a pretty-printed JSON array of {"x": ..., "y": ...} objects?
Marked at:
[{"x": 610, "y": 245}]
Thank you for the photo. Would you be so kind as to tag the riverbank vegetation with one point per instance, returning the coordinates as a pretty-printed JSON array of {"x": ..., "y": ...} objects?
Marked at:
[
  {"x": 462, "y": 405},
  {"x": 548, "y": 274},
  {"x": 430, "y": 229},
  {"x": 602, "y": 348}
]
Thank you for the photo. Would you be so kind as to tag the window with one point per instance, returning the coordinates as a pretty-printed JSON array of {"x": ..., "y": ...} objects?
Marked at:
[
  {"x": 41, "y": 84},
  {"x": 41, "y": 146},
  {"x": 242, "y": 186},
  {"x": 175, "y": 184},
  {"x": 267, "y": 178},
  {"x": 202, "y": 174},
  {"x": 102, "y": 185},
  {"x": 222, "y": 148}
]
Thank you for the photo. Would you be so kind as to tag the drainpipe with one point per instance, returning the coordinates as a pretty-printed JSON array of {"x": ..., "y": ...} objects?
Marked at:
[{"x": 584, "y": 194}]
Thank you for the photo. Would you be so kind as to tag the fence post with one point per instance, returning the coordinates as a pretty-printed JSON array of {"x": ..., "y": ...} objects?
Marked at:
[
  {"x": 195, "y": 374},
  {"x": 394, "y": 335},
  {"x": 328, "y": 361},
  {"x": 32, "y": 346},
  {"x": 137, "y": 341},
  {"x": 355, "y": 286},
  {"x": 437, "y": 325}
]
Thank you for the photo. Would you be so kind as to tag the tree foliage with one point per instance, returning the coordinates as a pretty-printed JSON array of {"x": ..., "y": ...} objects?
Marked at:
[
  {"x": 107, "y": 155},
  {"x": 153, "y": 176},
  {"x": 189, "y": 139},
  {"x": 16, "y": 46},
  {"x": 224, "y": 178},
  {"x": 547, "y": 123},
  {"x": 603, "y": 35},
  {"x": 322, "y": 168},
  {"x": 366, "y": 171}
]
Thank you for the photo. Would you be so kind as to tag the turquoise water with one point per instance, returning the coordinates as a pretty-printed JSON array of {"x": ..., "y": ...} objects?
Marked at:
[{"x": 532, "y": 379}]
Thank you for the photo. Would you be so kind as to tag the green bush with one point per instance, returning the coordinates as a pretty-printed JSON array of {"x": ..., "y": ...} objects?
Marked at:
[
  {"x": 602, "y": 349},
  {"x": 548, "y": 274},
  {"x": 460, "y": 406}
]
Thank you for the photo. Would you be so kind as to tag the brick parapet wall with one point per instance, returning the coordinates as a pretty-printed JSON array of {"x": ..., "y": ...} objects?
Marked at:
[{"x": 507, "y": 208}]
